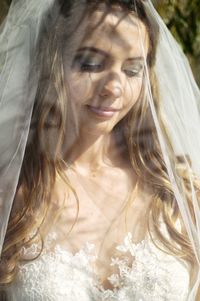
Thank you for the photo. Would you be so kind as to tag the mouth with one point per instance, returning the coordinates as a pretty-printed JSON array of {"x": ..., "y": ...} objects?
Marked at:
[{"x": 103, "y": 111}]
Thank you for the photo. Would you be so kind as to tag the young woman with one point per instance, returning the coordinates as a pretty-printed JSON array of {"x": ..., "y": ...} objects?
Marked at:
[{"x": 105, "y": 201}]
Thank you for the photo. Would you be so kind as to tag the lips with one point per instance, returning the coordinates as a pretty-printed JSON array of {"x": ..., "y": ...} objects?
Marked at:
[{"x": 103, "y": 111}]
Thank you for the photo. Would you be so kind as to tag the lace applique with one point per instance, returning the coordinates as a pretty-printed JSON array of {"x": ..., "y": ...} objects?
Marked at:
[
  {"x": 56, "y": 276},
  {"x": 60, "y": 275},
  {"x": 152, "y": 276}
]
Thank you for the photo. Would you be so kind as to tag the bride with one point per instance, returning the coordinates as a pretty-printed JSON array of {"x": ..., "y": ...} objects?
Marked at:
[{"x": 96, "y": 214}]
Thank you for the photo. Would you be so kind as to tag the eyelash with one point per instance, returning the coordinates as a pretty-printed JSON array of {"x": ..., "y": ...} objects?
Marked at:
[
  {"x": 133, "y": 73},
  {"x": 97, "y": 68},
  {"x": 88, "y": 66}
]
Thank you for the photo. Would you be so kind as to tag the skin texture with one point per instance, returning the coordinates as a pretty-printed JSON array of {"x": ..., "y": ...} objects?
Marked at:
[
  {"x": 104, "y": 81},
  {"x": 103, "y": 84},
  {"x": 112, "y": 61},
  {"x": 99, "y": 169}
]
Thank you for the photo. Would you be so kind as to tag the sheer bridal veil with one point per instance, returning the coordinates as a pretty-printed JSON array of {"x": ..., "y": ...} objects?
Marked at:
[{"x": 179, "y": 99}]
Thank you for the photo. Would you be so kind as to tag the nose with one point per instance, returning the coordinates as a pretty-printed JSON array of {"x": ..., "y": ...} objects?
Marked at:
[{"x": 112, "y": 87}]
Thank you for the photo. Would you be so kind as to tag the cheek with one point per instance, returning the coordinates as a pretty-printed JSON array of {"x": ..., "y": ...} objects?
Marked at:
[
  {"x": 79, "y": 87},
  {"x": 133, "y": 91}
]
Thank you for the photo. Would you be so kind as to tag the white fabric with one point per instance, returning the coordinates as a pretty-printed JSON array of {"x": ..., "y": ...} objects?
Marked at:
[
  {"x": 59, "y": 275},
  {"x": 49, "y": 277},
  {"x": 18, "y": 39}
]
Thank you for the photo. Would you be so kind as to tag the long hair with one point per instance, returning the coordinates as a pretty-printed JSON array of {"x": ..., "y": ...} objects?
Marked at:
[{"x": 43, "y": 162}]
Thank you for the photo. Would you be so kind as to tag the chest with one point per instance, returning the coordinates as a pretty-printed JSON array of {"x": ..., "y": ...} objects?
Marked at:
[
  {"x": 100, "y": 211},
  {"x": 152, "y": 275},
  {"x": 93, "y": 207},
  {"x": 110, "y": 266}
]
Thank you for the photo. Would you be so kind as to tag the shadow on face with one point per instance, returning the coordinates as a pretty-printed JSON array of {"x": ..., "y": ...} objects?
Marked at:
[{"x": 104, "y": 68}]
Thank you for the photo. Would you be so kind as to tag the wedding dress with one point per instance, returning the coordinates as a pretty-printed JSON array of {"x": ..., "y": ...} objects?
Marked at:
[{"x": 59, "y": 275}]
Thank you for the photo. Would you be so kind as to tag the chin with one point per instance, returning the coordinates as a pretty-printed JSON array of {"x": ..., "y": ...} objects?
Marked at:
[{"x": 98, "y": 129}]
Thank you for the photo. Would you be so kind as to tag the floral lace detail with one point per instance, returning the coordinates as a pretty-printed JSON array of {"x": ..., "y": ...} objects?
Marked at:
[
  {"x": 153, "y": 275},
  {"x": 60, "y": 276}
]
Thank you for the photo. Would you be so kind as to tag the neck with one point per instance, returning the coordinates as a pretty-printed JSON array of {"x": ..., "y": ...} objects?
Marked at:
[{"x": 95, "y": 151}]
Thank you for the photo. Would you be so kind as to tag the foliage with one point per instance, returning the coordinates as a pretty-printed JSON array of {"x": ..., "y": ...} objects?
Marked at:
[
  {"x": 183, "y": 19},
  {"x": 3, "y": 9}
]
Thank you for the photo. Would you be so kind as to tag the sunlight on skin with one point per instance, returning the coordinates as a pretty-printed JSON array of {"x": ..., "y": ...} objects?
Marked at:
[{"x": 104, "y": 82}]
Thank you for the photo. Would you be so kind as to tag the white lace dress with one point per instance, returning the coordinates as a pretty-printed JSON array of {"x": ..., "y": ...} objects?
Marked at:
[{"x": 61, "y": 276}]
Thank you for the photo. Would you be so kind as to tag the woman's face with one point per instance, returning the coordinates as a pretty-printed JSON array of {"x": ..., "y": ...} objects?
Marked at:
[{"x": 106, "y": 76}]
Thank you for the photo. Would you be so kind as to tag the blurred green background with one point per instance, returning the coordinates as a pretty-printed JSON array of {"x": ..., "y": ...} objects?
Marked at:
[
  {"x": 183, "y": 19},
  {"x": 181, "y": 16}
]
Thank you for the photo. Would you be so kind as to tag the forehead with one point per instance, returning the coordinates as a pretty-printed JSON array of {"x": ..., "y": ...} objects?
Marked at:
[{"x": 115, "y": 28}]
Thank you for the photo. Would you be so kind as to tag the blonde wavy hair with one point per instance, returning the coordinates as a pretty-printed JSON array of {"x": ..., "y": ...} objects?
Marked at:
[{"x": 43, "y": 160}]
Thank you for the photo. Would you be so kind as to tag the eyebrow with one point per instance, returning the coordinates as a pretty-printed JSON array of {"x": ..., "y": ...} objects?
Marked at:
[
  {"x": 104, "y": 53},
  {"x": 93, "y": 49}
]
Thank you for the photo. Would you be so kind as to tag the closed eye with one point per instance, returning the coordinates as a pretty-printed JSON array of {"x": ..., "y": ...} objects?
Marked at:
[
  {"x": 90, "y": 67},
  {"x": 136, "y": 71},
  {"x": 84, "y": 63},
  {"x": 133, "y": 73}
]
